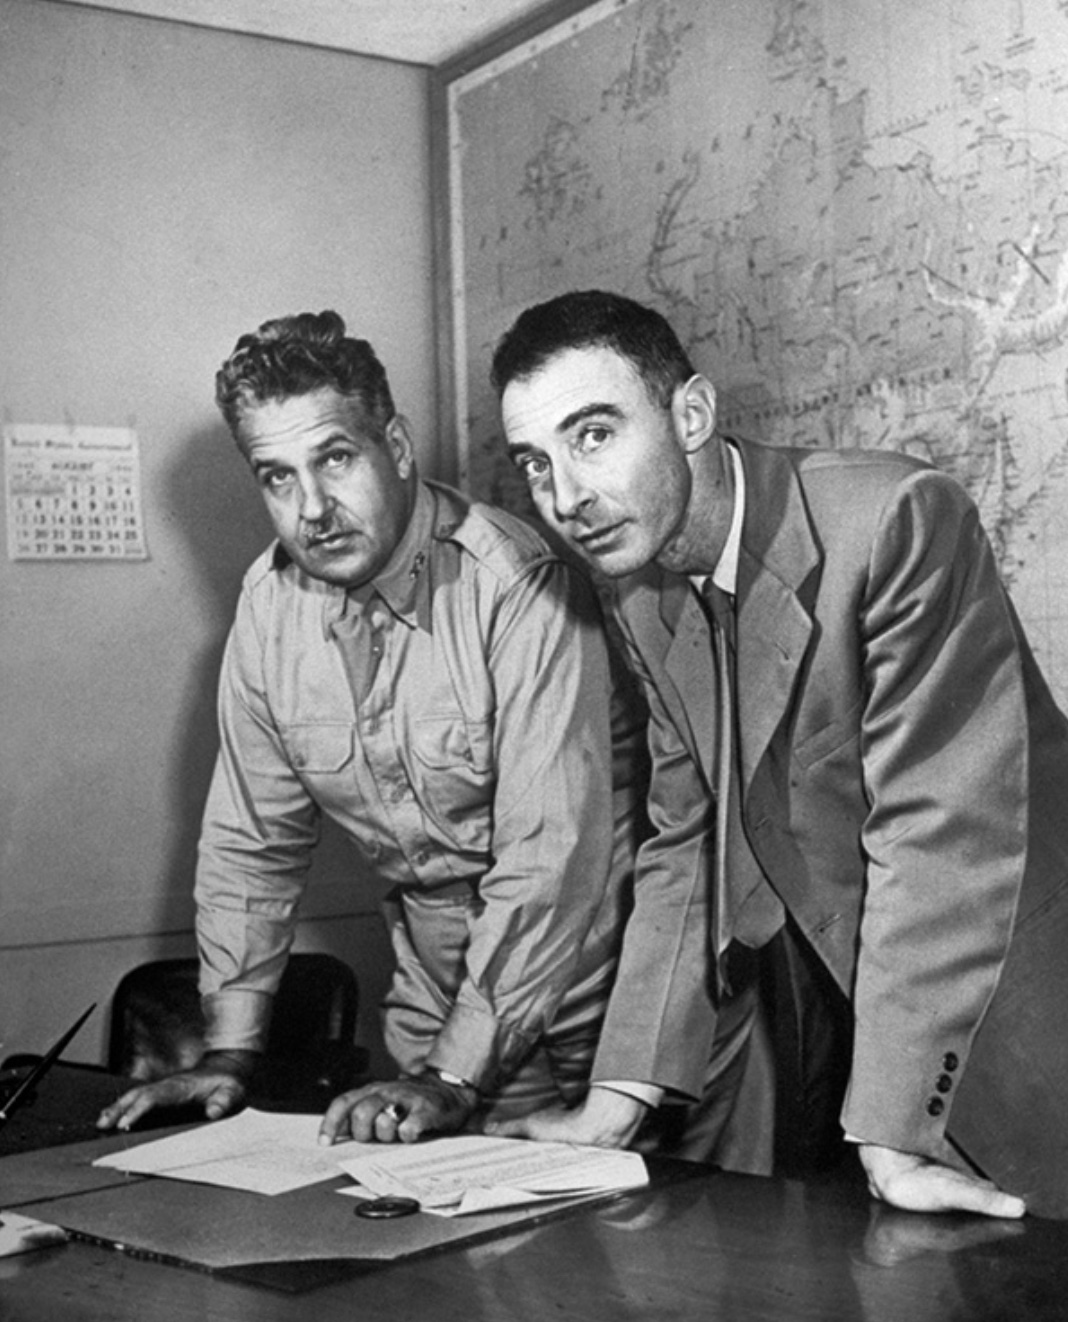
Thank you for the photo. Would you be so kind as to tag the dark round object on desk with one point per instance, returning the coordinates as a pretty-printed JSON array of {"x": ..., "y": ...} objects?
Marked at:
[{"x": 385, "y": 1209}]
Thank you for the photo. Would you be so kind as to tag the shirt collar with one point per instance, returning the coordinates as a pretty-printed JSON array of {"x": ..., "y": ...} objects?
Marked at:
[
  {"x": 725, "y": 573},
  {"x": 399, "y": 581}
]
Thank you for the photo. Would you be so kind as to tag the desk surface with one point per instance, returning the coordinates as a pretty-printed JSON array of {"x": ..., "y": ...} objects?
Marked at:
[
  {"x": 717, "y": 1246},
  {"x": 63, "y": 1109},
  {"x": 714, "y": 1245}
]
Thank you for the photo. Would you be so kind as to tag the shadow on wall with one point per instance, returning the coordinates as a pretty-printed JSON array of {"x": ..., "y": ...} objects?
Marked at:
[
  {"x": 214, "y": 507},
  {"x": 213, "y": 501}
]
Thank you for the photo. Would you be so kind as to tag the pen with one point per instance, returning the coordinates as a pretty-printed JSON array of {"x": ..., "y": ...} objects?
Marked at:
[{"x": 41, "y": 1068}]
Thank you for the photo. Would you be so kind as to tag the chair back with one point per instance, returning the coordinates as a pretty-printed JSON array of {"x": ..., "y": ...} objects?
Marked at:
[{"x": 157, "y": 1025}]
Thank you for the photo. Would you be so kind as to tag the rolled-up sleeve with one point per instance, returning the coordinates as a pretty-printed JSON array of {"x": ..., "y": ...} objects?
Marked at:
[{"x": 552, "y": 838}]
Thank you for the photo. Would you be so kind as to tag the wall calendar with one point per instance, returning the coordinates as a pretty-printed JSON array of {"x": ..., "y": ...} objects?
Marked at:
[{"x": 73, "y": 493}]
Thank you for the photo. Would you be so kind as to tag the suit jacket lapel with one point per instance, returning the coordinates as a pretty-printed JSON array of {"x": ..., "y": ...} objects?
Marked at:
[
  {"x": 666, "y": 621},
  {"x": 775, "y": 590},
  {"x": 776, "y": 586},
  {"x": 690, "y": 668}
]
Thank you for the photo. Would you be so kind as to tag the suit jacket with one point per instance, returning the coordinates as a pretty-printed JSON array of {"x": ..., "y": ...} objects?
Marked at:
[{"x": 905, "y": 791}]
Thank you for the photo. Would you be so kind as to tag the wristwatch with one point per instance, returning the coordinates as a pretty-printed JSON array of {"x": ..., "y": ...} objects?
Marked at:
[{"x": 454, "y": 1080}]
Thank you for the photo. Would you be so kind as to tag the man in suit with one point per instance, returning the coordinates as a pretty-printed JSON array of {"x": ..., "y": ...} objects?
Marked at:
[{"x": 858, "y": 755}]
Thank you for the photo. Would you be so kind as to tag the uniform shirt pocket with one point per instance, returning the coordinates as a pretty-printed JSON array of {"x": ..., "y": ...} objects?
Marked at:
[{"x": 454, "y": 774}]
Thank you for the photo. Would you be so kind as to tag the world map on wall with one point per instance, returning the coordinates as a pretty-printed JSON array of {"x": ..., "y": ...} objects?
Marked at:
[{"x": 854, "y": 212}]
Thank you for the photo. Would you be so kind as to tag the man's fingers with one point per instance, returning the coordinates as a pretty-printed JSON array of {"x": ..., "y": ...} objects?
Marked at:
[
  {"x": 918, "y": 1185},
  {"x": 220, "y": 1094},
  {"x": 130, "y": 1107},
  {"x": 967, "y": 1195},
  {"x": 411, "y": 1127},
  {"x": 403, "y": 1110},
  {"x": 335, "y": 1123},
  {"x": 356, "y": 1115},
  {"x": 141, "y": 1105},
  {"x": 395, "y": 1123},
  {"x": 226, "y": 1098}
]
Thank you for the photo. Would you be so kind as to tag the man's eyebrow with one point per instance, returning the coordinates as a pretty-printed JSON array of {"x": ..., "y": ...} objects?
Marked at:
[
  {"x": 594, "y": 410},
  {"x": 338, "y": 437},
  {"x": 258, "y": 465},
  {"x": 319, "y": 448}
]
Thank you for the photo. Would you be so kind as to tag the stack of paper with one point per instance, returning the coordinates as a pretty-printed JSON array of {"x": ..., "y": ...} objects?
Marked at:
[
  {"x": 272, "y": 1154},
  {"x": 470, "y": 1173}
]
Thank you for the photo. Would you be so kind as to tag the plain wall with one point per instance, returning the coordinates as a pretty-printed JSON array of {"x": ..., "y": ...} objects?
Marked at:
[{"x": 164, "y": 189}]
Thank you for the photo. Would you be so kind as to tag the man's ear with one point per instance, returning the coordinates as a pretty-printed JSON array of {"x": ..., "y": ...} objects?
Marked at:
[
  {"x": 399, "y": 440},
  {"x": 693, "y": 411}
]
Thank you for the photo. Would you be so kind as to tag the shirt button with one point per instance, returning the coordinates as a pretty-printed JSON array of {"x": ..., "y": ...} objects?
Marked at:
[
  {"x": 935, "y": 1106},
  {"x": 950, "y": 1061}
]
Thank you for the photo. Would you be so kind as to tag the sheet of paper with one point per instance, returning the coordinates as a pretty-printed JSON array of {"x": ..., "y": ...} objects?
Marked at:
[
  {"x": 260, "y": 1151},
  {"x": 22, "y": 1234},
  {"x": 471, "y": 1173}
]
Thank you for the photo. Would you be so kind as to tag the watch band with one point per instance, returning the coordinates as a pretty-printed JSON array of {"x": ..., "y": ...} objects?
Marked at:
[{"x": 446, "y": 1076}]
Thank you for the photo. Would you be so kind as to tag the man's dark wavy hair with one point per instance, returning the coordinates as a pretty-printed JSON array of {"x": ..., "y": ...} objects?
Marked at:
[
  {"x": 296, "y": 355},
  {"x": 593, "y": 318}
]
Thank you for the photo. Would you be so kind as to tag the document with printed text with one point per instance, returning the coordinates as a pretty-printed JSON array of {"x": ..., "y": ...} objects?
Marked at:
[{"x": 470, "y": 1173}]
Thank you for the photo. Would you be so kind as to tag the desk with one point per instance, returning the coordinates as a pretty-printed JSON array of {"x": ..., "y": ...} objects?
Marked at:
[
  {"x": 709, "y": 1245},
  {"x": 63, "y": 1109}
]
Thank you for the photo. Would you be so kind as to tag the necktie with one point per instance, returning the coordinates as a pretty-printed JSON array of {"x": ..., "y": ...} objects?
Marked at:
[
  {"x": 721, "y": 605},
  {"x": 746, "y": 907},
  {"x": 360, "y": 637},
  {"x": 721, "y": 609}
]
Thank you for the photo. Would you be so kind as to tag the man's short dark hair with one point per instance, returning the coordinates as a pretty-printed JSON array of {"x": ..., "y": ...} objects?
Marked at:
[
  {"x": 297, "y": 355},
  {"x": 592, "y": 318}
]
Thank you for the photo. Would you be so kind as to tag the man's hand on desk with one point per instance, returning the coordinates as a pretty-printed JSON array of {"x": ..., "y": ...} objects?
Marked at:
[
  {"x": 218, "y": 1082},
  {"x": 606, "y": 1119},
  {"x": 917, "y": 1184},
  {"x": 401, "y": 1111}
]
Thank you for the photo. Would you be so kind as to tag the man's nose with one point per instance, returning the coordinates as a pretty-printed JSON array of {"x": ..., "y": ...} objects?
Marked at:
[
  {"x": 316, "y": 501},
  {"x": 570, "y": 494}
]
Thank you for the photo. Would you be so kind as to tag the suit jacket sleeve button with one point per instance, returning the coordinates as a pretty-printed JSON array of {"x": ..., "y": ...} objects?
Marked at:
[
  {"x": 935, "y": 1106},
  {"x": 944, "y": 1083},
  {"x": 950, "y": 1061}
]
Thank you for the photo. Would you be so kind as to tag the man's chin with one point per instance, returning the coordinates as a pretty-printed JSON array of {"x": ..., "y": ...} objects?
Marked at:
[
  {"x": 343, "y": 571},
  {"x": 613, "y": 561}
]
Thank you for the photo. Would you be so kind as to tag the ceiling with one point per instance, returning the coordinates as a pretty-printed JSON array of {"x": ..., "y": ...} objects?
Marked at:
[{"x": 413, "y": 31}]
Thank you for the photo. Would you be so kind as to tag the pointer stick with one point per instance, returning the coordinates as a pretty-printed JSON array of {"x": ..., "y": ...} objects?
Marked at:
[{"x": 41, "y": 1068}]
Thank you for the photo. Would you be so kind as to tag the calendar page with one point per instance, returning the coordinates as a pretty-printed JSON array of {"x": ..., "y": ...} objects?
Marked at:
[{"x": 73, "y": 493}]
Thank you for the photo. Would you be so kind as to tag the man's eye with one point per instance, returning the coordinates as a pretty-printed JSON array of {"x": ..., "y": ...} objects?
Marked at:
[
  {"x": 335, "y": 459},
  {"x": 276, "y": 479},
  {"x": 591, "y": 437},
  {"x": 532, "y": 467}
]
